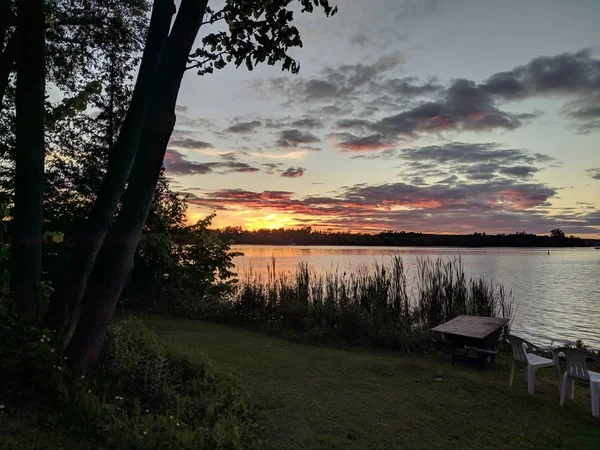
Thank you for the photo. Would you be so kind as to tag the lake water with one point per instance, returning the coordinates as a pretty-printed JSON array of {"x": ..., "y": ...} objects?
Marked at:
[{"x": 557, "y": 296}]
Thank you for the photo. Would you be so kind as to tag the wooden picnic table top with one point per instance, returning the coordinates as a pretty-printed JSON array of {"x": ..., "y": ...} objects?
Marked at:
[{"x": 477, "y": 327}]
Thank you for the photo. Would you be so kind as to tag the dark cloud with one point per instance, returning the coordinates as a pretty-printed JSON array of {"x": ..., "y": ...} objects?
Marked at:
[
  {"x": 594, "y": 173},
  {"x": 177, "y": 164},
  {"x": 585, "y": 112},
  {"x": 462, "y": 107},
  {"x": 410, "y": 86},
  {"x": 190, "y": 144},
  {"x": 483, "y": 161},
  {"x": 369, "y": 143},
  {"x": 271, "y": 168},
  {"x": 179, "y": 109},
  {"x": 567, "y": 73},
  {"x": 519, "y": 171},
  {"x": 295, "y": 138},
  {"x": 293, "y": 172},
  {"x": 353, "y": 123},
  {"x": 307, "y": 122},
  {"x": 230, "y": 156},
  {"x": 243, "y": 127}
]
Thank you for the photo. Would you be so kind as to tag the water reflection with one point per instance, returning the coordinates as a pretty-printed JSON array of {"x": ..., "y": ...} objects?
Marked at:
[{"x": 557, "y": 295}]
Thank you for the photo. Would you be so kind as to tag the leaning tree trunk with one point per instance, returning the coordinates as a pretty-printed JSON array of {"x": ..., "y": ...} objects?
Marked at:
[
  {"x": 115, "y": 261},
  {"x": 29, "y": 168},
  {"x": 122, "y": 154}
]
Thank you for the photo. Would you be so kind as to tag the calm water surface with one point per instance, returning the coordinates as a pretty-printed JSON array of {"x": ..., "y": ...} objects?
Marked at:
[{"x": 557, "y": 296}]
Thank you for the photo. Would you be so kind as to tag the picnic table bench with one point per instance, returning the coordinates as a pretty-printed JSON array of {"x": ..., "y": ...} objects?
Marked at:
[{"x": 478, "y": 334}]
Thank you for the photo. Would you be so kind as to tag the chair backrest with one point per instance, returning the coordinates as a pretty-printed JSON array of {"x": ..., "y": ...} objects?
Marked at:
[
  {"x": 518, "y": 347},
  {"x": 576, "y": 362}
]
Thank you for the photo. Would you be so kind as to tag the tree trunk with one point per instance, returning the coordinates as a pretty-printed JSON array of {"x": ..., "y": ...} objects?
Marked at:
[
  {"x": 29, "y": 168},
  {"x": 115, "y": 260},
  {"x": 88, "y": 242}
]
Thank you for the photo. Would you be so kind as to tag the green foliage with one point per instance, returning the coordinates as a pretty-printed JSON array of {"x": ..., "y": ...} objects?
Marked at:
[
  {"x": 257, "y": 31},
  {"x": 180, "y": 268},
  {"x": 28, "y": 355},
  {"x": 371, "y": 306},
  {"x": 142, "y": 396}
]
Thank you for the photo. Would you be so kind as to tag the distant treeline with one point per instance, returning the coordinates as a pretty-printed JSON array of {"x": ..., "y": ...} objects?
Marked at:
[{"x": 308, "y": 236}]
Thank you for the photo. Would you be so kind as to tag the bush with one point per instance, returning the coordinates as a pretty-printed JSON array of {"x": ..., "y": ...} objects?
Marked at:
[{"x": 143, "y": 397}]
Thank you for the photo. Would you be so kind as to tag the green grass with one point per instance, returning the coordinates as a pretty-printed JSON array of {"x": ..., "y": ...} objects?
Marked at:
[{"x": 320, "y": 398}]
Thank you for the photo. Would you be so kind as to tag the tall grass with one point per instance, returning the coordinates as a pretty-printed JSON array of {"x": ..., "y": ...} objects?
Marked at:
[{"x": 370, "y": 305}]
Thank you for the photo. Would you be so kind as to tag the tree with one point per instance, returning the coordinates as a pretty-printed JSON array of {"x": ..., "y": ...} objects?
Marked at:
[
  {"x": 255, "y": 31},
  {"x": 29, "y": 182},
  {"x": 557, "y": 233},
  {"x": 249, "y": 41},
  {"x": 122, "y": 154}
]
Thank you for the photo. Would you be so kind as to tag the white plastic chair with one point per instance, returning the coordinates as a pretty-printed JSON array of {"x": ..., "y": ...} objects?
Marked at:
[
  {"x": 532, "y": 361},
  {"x": 577, "y": 370}
]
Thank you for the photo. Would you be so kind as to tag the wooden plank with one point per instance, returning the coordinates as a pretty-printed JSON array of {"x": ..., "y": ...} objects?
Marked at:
[{"x": 477, "y": 327}]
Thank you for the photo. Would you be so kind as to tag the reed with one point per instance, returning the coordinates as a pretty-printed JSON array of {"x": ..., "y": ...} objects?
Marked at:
[{"x": 372, "y": 305}]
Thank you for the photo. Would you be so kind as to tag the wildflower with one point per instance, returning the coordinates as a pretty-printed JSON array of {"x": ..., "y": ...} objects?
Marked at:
[
  {"x": 1, "y": 406},
  {"x": 65, "y": 357},
  {"x": 52, "y": 351},
  {"x": 89, "y": 391},
  {"x": 177, "y": 423},
  {"x": 42, "y": 340},
  {"x": 82, "y": 376},
  {"x": 170, "y": 417},
  {"x": 145, "y": 432},
  {"x": 147, "y": 411}
]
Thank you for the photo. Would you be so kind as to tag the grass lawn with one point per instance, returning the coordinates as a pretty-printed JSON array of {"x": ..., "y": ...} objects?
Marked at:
[{"x": 321, "y": 398}]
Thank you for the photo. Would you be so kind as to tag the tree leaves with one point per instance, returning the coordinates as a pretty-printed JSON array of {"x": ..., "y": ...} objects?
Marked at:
[{"x": 257, "y": 31}]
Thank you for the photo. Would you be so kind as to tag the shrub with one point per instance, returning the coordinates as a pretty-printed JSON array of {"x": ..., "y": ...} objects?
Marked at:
[{"x": 143, "y": 397}]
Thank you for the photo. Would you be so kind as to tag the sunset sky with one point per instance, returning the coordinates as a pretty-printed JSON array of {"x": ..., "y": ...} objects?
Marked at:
[{"x": 451, "y": 116}]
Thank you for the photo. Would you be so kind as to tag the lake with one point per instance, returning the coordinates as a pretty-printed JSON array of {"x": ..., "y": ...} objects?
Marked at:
[{"x": 557, "y": 295}]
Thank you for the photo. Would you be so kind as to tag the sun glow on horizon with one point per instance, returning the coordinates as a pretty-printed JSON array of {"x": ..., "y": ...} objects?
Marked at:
[{"x": 270, "y": 222}]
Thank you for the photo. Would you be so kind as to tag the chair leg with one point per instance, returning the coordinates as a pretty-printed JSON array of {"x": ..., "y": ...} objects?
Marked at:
[
  {"x": 512, "y": 373},
  {"x": 573, "y": 389},
  {"x": 563, "y": 388},
  {"x": 595, "y": 393},
  {"x": 530, "y": 379}
]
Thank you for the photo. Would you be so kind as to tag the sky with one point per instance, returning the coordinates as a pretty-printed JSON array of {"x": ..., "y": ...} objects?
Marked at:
[{"x": 438, "y": 116}]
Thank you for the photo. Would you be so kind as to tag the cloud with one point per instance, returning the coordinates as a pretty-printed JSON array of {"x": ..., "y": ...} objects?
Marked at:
[
  {"x": 594, "y": 173},
  {"x": 369, "y": 143},
  {"x": 409, "y": 107},
  {"x": 567, "y": 73},
  {"x": 334, "y": 83},
  {"x": 177, "y": 164},
  {"x": 271, "y": 168},
  {"x": 190, "y": 144},
  {"x": 293, "y": 172},
  {"x": 410, "y": 86},
  {"x": 244, "y": 127},
  {"x": 359, "y": 39},
  {"x": 462, "y": 107},
  {"x": 307, "y": 122},
  {"x": 499, "y": 206},
  {"x": 294, "y": 138},
  {"x": 471, "y": 161},
  {"x": 585, "y": 112}
]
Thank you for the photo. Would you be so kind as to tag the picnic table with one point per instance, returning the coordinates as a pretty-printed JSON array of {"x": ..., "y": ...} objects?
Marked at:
[{"x": 475, "y": 333}]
